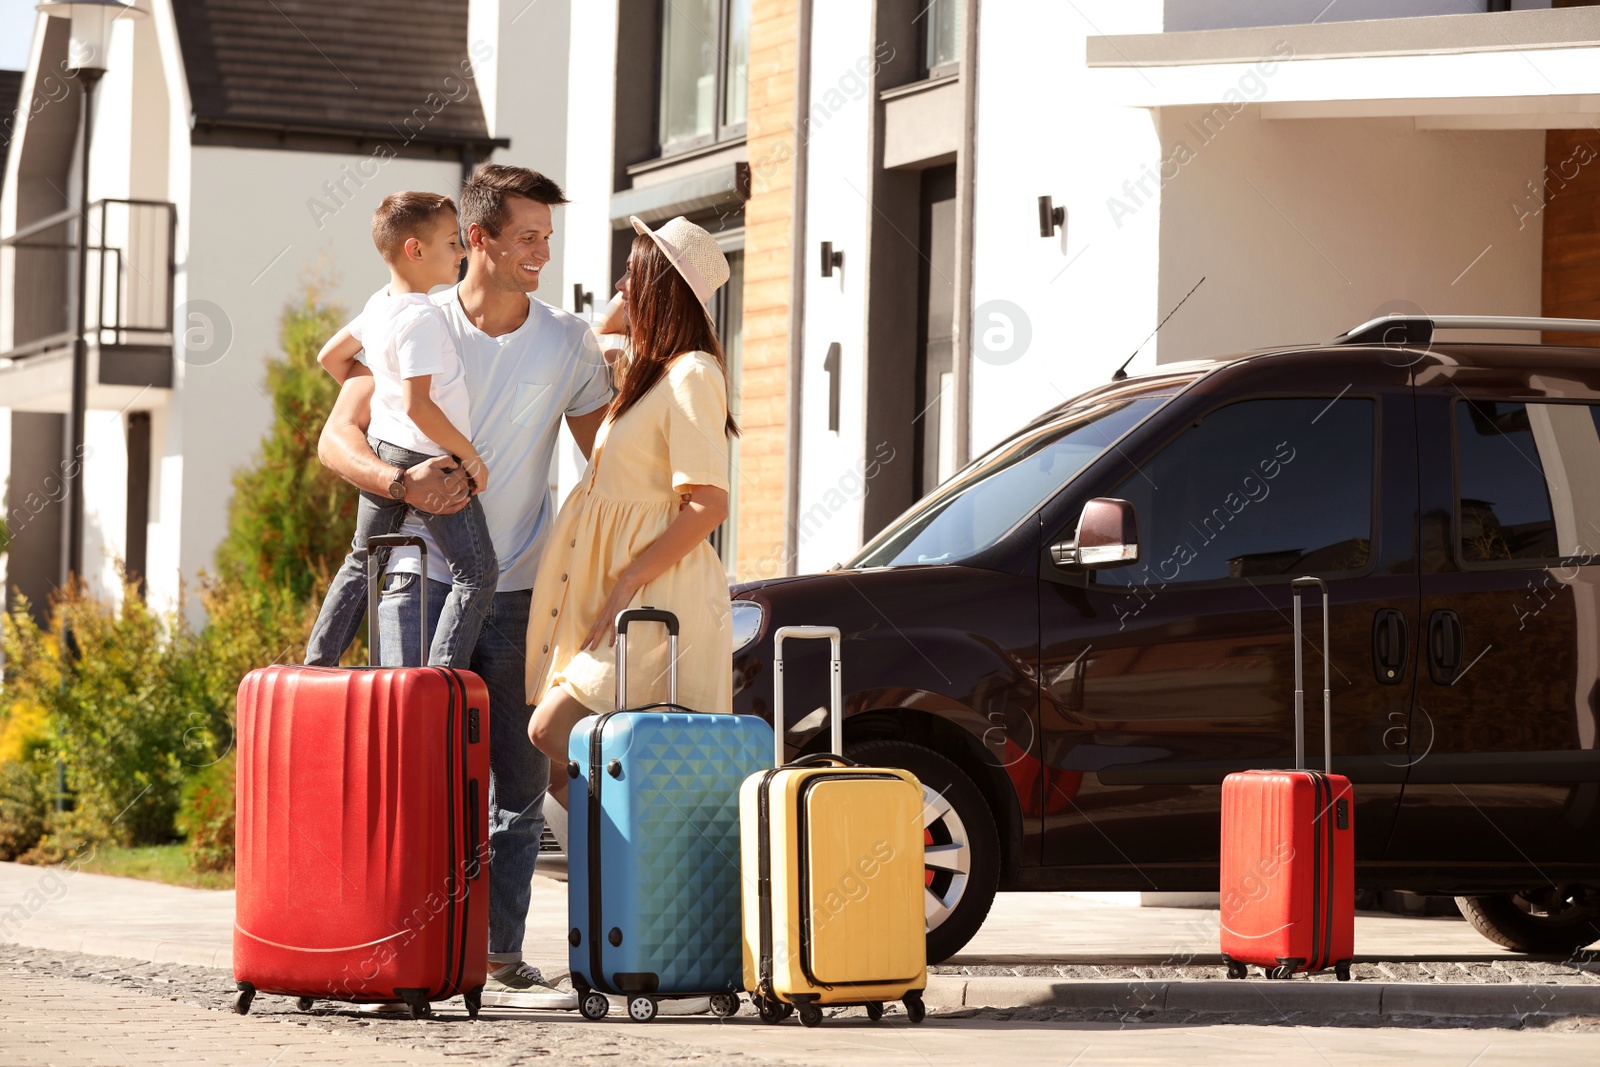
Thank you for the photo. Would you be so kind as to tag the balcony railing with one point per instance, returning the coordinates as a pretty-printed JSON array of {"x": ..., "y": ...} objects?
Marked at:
[{"x": 130, "y": 276}]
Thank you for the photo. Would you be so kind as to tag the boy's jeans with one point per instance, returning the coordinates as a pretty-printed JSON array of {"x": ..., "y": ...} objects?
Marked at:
[{"x": 464, "y": 540}]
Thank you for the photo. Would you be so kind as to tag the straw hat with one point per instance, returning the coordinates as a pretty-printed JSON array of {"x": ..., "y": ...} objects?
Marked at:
[{"x": 693, "y": 251}]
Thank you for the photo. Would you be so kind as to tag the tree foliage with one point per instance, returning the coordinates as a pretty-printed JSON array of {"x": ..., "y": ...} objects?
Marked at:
[{"x": 290, "y": 519}]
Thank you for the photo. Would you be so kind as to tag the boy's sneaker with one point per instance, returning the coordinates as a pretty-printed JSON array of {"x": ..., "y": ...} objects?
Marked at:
[{"x": 518, "y": 985}]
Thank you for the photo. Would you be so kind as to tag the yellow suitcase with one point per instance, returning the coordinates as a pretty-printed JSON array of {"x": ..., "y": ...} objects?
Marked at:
[{"x": 833, "y": 882}]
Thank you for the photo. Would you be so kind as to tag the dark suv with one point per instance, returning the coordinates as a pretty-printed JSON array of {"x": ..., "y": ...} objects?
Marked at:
[{"x": 1072, "y": 640}]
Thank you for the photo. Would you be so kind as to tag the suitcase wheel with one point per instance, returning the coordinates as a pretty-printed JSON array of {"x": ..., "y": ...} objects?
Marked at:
[
  {"x": 724, "y": 1005},
  {"x": 594, "y": 1006},
  {"x": 772, "y": 1011},
  {"x": 874, "y": 1010},
  {"x": 1341, "y": 970},
  {"x": 417, "y": 1001},
  {"x": 916, "y": 1011},
  {"x": 474, "y": 999},
  {"x": 242, "y": 999},
  {"x": 304, "y": 1003},
  {"x": 1236, "y": 969},
  {"x": 641, "y": 1009},
  {"x": 810, "y": 1014},
  {"x": 1286, "y": 968}
]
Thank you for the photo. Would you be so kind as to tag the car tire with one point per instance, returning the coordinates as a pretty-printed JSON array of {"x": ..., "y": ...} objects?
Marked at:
[
  {"x": 1549, "y": 922},
  {"x": 957, "y": 901}
]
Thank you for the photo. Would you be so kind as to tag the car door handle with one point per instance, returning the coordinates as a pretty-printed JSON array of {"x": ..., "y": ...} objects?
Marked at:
[
  {"x": 1389, "y": 646},
  {"x": 1444, "y": 646}
]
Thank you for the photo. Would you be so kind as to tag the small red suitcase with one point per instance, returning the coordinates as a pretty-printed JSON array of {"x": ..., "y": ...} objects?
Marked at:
[
  {"x": 1288, "y": 853},
  {"x": 362, "y": 831}
]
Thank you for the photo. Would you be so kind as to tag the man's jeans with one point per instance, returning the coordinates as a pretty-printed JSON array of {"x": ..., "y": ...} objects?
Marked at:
[
  {"x": 463, "y": 538},
  {"x": 518, "y": 772}
]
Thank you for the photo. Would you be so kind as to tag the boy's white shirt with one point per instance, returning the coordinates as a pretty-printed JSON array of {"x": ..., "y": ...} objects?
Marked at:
[{"x": 405, "y": 336}]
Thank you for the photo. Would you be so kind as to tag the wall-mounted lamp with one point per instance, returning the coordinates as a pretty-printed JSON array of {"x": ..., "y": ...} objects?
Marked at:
[
  {"x": 831, "y": 260},
  {"x": 581, "y": 299},
  {"x": 1051, "y": 218}
]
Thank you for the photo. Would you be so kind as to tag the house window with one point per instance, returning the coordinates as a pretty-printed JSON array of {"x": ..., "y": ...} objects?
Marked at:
[
  {"x": 943, "y": 35},
  {"x": 705, "y": 65}
]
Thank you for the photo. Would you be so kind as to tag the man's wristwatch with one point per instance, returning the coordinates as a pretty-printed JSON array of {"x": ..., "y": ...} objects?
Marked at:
[{"x": 397, "y": 487}]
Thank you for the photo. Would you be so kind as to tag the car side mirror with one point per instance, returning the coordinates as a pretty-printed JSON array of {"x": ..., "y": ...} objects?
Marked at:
[{"x": 1108, "y": 536}]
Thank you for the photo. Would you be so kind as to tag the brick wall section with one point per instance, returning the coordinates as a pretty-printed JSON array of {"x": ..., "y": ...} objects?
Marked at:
[
  {"x": 768, "y": 230},
  {"x": 1572, "y": 230}
]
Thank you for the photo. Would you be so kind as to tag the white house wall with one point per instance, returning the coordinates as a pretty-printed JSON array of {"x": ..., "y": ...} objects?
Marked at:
[
  {"x": 832, "y": 482},
  {"x": 588, "y": 154},
  {"x": 133, "y": 108},
  {"x": 520, "y": 63},
  {"x": 1305, "y": 228},
  {"x": 150, "y": 124},
  {"x": 105, "y": 500},
  {"x": 1227, "y": 14},
  {"x": 1053, "y": 317},
  {"x": 261, "y": 224},
  {"x": 1526, "y": 72}
]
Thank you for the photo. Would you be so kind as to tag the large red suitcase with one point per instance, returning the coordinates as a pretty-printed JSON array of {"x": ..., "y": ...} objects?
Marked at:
[
  {"x": 362, "y": 831},
  {"x": 1288, "y": 851}
]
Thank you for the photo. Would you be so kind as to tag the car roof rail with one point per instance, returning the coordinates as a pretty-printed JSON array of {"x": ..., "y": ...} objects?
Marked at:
[{"x": 1418, "y": 329}]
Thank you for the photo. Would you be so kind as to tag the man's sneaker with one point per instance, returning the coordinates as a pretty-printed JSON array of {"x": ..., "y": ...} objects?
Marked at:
[{"x": 518, "y": 985}]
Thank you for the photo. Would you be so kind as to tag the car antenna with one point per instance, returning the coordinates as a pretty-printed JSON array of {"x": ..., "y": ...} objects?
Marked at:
[{"x": 1122, "y": 371}]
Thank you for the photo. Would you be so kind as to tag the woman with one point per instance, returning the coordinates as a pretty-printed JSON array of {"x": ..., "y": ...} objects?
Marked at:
[{"x": 634, "y": 530}]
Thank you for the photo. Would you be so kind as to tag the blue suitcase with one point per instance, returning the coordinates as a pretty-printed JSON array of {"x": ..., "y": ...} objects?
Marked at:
[{"x": 653, "y": 841}]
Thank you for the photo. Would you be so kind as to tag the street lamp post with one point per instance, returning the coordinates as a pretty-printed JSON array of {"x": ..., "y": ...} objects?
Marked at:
[{"x": 86, "y": 54}]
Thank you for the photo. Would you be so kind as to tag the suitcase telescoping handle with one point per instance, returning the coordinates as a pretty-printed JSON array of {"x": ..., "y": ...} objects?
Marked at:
[
  {"x": 646, "y": 614},
  {"x": 1300, "y": 683},
  {"x": 835, "y": 699},
  {"x": 375, "y": 576}
]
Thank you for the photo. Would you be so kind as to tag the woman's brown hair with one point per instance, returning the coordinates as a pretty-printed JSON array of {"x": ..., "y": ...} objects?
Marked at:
[{"x": 665, "y": 320}]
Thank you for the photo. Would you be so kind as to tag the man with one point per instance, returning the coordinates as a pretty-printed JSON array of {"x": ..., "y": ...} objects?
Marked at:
[{"x": 526, "y": 364}]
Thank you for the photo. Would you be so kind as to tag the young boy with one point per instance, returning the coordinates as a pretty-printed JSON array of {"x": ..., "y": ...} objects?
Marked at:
[{"x": 419, "y": 410}]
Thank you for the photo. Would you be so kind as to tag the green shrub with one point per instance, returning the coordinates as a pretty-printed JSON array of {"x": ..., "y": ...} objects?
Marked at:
[
  {"x": 118, "y": 710},
  {"x": 24, "y": 807},
  {"x": 206, "y": 816},
  {"x": 70, "y": 837}
]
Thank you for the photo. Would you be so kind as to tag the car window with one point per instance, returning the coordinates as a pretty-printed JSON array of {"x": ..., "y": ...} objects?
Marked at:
[
  {"x": 1258, "y": 489},
  {"x": 977, "y": 506},
  {"x": 1526, "y": 480}
]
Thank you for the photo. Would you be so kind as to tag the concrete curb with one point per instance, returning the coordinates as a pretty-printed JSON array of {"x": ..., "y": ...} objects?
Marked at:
[
  {"x": 949, "y": 992},
  {"x": 132, "y": 948}
]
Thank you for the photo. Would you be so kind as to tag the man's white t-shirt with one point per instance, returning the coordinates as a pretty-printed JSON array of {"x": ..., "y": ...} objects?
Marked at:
[
  {"x": 404, "y": 336},
  {"x": 519, "y": 384}
]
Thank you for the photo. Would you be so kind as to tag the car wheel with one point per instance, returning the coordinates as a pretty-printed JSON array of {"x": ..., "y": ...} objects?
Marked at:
[
  {"x": 1551, "y": 921},
  {"x": 962, "y": 844}
]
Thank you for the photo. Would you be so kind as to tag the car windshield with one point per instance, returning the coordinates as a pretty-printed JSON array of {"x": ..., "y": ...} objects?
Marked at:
[{"x": 977, "y": 506}]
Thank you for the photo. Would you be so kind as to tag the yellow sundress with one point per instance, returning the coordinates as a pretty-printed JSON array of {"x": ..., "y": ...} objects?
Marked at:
[{"x": 673, "y": 437}]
